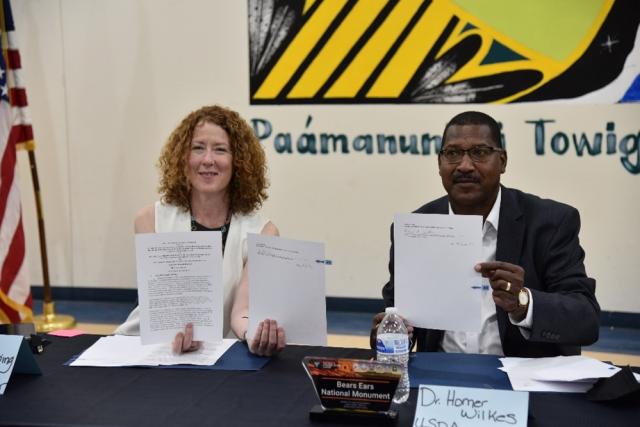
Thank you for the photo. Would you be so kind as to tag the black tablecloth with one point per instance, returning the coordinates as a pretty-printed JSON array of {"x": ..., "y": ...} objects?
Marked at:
[{"x": 278, "y": 395}]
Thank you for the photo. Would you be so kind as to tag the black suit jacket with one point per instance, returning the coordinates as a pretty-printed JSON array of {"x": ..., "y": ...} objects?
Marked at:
[{"x": 542, "y": 237}]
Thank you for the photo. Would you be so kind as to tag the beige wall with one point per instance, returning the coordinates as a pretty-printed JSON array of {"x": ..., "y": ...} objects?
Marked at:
[{"x": 108, "y": 80}]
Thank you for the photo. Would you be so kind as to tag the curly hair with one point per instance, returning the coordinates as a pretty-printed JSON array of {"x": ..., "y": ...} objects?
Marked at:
[{"x": 247, "y": 189}]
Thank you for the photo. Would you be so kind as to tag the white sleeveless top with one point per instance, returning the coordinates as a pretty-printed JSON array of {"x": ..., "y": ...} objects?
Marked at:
[{"x": 171, "y": 218}]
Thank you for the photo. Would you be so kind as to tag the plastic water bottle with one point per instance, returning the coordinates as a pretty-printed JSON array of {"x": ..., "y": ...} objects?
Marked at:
[{"x": 392, "y": 345}]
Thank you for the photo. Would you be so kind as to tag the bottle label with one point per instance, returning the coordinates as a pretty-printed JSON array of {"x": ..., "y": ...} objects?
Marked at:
[{"x": 392, "y": 344}]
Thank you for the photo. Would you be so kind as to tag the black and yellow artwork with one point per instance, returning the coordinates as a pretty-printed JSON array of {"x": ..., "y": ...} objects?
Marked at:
[{"x": 443, "y": 51}]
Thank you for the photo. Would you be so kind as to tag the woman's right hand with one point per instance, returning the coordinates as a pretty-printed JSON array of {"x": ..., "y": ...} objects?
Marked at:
[
  {"x": 268, "y": 340},
  {"x": 183, "y": 341}
]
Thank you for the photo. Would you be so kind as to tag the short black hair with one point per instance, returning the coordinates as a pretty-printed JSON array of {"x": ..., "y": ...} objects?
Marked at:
[{"x": 475, "y": 118}]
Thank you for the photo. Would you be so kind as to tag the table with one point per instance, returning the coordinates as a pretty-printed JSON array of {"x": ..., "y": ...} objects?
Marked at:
[{"x": 278, "y": 395}]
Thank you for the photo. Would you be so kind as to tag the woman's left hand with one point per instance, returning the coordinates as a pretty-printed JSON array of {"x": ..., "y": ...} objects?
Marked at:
[{"x": 268, "y": 340}]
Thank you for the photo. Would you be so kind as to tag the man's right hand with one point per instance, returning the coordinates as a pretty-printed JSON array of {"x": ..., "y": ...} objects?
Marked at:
[{"x": 374, "y": 330}]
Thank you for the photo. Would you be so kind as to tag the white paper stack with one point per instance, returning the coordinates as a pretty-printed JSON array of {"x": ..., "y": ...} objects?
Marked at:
[
  {"x": 567, "y": 374},
  {"x": 119, "y": 350}
]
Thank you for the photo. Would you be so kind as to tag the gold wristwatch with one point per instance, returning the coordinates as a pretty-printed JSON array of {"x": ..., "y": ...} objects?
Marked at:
[{"x": 523, "y": 297}]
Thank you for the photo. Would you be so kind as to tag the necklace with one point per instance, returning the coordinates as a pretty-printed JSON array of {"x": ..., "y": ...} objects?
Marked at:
[{"x": 196, "y": 226}]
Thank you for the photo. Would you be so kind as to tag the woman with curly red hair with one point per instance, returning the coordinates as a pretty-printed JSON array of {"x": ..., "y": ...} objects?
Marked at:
[{"x": 213, "y": 178}]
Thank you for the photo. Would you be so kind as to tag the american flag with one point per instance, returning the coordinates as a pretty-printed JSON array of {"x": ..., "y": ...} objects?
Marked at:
[{"x": 15, "y": 130}]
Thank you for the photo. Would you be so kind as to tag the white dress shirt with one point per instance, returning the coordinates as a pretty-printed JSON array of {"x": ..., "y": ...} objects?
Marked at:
[{"x": 487, "y": 341}]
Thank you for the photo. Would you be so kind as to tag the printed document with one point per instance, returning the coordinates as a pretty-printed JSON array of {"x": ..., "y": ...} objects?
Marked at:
[
  {"x": 436, "y": 285},
  {"x": 180, "y": 281},
  {"x": 287, "y": 284}
]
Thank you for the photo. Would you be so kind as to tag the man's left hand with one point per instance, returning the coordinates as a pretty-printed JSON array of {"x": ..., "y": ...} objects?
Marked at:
[{"x": 506, "y": 281}]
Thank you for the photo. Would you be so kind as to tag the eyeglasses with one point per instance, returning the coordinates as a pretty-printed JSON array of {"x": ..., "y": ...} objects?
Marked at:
[{"x": 478, "y": 154}]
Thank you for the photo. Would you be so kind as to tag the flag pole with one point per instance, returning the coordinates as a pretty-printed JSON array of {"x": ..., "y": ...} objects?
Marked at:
[{"x": 48, "y": 320}]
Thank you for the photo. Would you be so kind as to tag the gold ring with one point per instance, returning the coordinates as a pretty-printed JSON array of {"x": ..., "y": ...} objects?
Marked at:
[{"x": 508, "y": 288}]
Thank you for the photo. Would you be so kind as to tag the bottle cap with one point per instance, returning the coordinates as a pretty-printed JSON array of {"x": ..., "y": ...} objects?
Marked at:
[{"x": 391, "y": 310}]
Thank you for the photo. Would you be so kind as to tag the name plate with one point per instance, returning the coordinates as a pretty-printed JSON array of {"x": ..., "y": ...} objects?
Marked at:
[
  {"x": 441, "y": 406},
  {"x": 15, "y": 353},
  {"x": 353, "y": 385}
]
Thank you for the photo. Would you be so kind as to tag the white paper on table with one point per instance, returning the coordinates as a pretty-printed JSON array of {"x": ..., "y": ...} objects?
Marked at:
[
  {"x": 522, "y": 382},
  {"x": 207, "y": 355},
  {"x": 117, "y": 350},
  {"x": 120, "y": 350},
  {"x": 179, "y": 281},
  {"x": 287, "y": 284},
  {"x": 574, "y": 368},
  {"x": 435, "y": 284},
  {"x": 569, "y": 374}
]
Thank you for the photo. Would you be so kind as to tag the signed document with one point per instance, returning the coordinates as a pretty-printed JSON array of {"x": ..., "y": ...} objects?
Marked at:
[
  {"x": 121, "y": 350},
  {"x": 287, "y": 284},
  {"x": 436, "y": 286},
  {"x": 179, "y": 281}
]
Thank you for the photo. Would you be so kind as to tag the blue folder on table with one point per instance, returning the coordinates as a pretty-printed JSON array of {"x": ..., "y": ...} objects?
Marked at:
[
  {"x": 237, "y": 358},
  {"x": 456, "y": 369}
]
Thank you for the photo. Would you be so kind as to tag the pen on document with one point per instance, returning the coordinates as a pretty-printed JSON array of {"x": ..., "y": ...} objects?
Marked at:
[
  {"x": 483, "y": 287},
  {"x": 324, "y": 261}
]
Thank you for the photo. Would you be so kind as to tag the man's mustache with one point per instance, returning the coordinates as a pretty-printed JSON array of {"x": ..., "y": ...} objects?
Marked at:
[{"x": 465, "y": 177}]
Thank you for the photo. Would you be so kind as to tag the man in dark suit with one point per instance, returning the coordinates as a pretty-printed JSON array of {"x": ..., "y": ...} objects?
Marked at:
[{"x": 541, "y": 301}]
